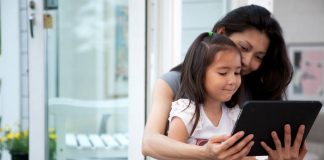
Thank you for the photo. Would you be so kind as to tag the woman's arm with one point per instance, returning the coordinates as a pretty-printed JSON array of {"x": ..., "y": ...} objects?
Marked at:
[{"x": 157, "y": 145}]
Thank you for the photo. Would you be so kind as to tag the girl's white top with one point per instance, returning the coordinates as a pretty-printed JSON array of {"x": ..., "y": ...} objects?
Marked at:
[{"x": 205, "y": 128}]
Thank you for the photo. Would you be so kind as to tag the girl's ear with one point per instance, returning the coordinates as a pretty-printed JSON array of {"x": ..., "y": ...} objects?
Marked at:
[{"x": 221, "y": 30}]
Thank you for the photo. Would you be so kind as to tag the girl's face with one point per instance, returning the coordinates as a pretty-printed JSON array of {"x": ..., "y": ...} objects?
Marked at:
[
  {"x": 253, "y": 45},
  {"x": 223, "y": 76}
]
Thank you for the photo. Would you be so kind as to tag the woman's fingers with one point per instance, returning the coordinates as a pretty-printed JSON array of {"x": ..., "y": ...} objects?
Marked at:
[
  {"x": 303, "y": 151},
  {"x": 287, "y": 138},
  {"x": 267, "y": 148},
  {"x": 288, "y": 152},
  {"x": 276, "y": 141},
  {"x": 299, "y": 138}
]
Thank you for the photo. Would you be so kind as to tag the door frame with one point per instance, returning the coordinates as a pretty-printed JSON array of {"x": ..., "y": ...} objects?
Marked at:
[{"x": 37, "y": 80}]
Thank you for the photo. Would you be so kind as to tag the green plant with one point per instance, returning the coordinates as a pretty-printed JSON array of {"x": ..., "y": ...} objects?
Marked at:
[
  {"x": 17, "y": 142},
  {"x": 52, "y": 143}
]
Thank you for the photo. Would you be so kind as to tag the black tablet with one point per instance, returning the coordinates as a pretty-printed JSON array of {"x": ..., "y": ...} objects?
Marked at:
[{"x": 262, "y": 117}]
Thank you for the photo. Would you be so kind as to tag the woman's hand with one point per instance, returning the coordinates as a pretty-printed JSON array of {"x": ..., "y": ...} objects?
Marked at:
[
  {"x": 287, "y": 152},
  {"x": 222, "y": 147}
]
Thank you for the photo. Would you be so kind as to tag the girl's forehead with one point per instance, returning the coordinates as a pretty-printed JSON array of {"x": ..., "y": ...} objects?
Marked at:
[{"x": 230, "y": 56}]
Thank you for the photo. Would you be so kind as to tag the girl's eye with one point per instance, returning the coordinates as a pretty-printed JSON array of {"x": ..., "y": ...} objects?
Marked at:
[
  {"x": 237, "y": 73},
  {"x": 222, "y": 73}
]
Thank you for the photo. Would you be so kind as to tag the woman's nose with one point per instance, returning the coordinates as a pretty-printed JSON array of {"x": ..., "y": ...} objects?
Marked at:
[{"x": 246, "y": 60}]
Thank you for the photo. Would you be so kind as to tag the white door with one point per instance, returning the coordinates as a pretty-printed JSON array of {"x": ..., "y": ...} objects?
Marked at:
[{"x": 87, "y": 75}]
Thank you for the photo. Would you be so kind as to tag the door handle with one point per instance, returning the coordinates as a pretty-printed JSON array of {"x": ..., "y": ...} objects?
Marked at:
[
  {"x": 31, "y": 24},
  {"x": 32, "y": 6}
]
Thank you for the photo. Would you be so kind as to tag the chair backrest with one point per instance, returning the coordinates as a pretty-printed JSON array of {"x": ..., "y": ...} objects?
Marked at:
[
  {"x": 88, "y": 117},
  {"x": 87, "y": 120}
]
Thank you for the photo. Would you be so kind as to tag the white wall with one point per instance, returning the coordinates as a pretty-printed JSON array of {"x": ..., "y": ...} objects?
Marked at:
[
  {"x": 10, "y": 63},
  {"x": 302, "y": 21}
]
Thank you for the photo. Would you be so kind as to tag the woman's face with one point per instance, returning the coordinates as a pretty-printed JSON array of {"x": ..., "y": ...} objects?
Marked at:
[{"x": 253, "y": 45}]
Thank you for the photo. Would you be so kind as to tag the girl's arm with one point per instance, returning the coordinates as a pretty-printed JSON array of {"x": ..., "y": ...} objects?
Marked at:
[
  {"x": 157, "y": 145},
  {"x": 178, "y": 130}
]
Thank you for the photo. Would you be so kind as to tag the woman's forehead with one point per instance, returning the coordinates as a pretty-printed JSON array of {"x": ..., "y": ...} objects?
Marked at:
[{"x": 258, "y": 40}]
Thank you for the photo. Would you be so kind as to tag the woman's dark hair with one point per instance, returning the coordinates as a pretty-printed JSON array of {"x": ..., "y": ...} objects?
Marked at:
[
  {"x": 270, "y": 81},
  {"x": 199, "y": 56}
]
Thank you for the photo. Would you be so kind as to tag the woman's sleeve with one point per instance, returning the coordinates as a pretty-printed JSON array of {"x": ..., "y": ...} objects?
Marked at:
[{"x": 172, "y": 78}]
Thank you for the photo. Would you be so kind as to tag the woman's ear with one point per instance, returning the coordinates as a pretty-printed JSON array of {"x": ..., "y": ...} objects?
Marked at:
[{"x": 221, "y": 30}]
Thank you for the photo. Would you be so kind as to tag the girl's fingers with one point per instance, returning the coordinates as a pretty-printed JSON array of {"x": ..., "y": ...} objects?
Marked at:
[
  {"x": 240, "y": 146},
  {"x": 230, "y": 141},
  {"x": 219, "y": 139},
  {"x": 244, "y": 152}
]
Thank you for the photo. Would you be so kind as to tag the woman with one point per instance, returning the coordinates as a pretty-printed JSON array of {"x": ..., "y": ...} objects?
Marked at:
[{"x": 266, "y": 73}]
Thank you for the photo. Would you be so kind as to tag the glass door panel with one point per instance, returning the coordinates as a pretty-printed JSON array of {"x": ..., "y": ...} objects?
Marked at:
[{"x": 87, "y": 79}]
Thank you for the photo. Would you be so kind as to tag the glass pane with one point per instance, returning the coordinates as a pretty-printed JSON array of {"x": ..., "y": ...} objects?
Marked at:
[
  {"x": 198, "y": 17},
  {"x": 87, "y": 72}
]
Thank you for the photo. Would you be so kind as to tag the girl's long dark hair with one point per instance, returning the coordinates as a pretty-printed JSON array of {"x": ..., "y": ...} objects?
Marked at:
[{"x": 193, "y": 70}]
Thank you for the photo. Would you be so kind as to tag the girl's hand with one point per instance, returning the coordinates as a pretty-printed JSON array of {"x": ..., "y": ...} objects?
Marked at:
[
  {"x": 222, "y": 147},
  {"x": 288, "y": 152}
]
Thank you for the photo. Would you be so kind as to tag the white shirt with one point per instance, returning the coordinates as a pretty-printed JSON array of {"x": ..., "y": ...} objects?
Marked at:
[{"x": 205, "y": 128}]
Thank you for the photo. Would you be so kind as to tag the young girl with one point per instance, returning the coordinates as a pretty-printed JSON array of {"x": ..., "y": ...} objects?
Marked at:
[{"x": 211, "y": 74}]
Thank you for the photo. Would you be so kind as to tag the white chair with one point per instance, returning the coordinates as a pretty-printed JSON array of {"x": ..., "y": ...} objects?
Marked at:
[{"x": 89, "y": 129}]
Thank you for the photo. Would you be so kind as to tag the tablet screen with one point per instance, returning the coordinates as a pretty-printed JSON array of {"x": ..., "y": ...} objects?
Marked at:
[{"x": 262, "y": 117}]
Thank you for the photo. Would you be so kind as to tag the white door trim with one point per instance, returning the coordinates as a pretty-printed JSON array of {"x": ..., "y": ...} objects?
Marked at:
[
  {"x": 136, "y": 72},
  {"x": 37, "y": 94}
]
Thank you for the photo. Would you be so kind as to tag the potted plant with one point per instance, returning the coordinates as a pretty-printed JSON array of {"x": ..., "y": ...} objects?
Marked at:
[{"x": 17, "y": 143}]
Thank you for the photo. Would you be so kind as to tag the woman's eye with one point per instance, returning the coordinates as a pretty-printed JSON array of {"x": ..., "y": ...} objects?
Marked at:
[
  {"x": 244, "y": 49},
  {"x": 259, "y": 57},
  {"x": 222, "y": 73},
  {"x": 237, "y": 73}
]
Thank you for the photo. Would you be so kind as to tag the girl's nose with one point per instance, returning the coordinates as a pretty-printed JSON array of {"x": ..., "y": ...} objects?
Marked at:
[{"x": 231, "y": 79}]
